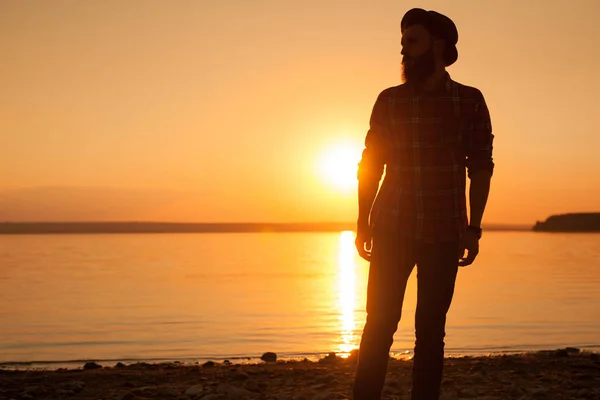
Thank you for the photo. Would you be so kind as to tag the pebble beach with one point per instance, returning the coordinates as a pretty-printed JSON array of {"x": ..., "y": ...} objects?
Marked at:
[{"x": 567, "y": 374}]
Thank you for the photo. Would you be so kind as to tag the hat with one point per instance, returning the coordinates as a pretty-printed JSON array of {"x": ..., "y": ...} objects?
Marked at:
[{"x": 438, "y": 25}]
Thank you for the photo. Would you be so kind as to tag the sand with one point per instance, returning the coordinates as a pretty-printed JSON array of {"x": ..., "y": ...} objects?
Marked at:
[{"x": 559, "y": 374}]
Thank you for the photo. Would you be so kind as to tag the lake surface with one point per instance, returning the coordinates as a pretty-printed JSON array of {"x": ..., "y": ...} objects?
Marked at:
[{"x": 194, "y": 297}]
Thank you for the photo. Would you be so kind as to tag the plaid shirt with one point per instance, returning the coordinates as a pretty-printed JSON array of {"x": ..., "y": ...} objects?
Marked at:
[{"x": 427, "y": 141}]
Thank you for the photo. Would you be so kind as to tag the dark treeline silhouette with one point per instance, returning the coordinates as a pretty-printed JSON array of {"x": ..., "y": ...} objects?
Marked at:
[{"x": 573, "y": 222}]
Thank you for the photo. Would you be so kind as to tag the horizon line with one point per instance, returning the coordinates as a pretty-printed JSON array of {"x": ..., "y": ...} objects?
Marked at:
[
  {"x": 213, "y": 222},
  {"x": 146, "y": 227}
]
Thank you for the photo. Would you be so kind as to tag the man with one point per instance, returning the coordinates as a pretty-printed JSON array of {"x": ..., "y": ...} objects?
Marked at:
[{"x": 427, "y": 133}]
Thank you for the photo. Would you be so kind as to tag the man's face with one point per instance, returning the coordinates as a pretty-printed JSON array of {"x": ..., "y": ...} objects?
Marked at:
[{"x": 418, "y": 61}]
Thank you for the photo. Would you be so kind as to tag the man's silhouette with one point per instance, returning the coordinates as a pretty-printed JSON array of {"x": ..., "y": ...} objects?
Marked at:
[{"x": 428, "y": 133}]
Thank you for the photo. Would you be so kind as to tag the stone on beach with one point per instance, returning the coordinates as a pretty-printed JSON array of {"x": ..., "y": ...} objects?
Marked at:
[
  {"x": 234, "y": 393},
  {"x": 64, "y": 392},
  {"x": 214, "y": 396},
  {"x": 329, "y": 358},
  {"x": 239, "y": 376},
  {"x": 269, "y": 357},
  {"x": 76, "y": 386},
  {"x": 166, "y": 391},
  {"x": 467, "y": 393},
  {"x": 91, "y": 365},
  {"x": 125, "y": 396},
  {"x": 33, "y": 390},
  {"x": 194, "y": 390},
  {"x": 252, "y": 386}
]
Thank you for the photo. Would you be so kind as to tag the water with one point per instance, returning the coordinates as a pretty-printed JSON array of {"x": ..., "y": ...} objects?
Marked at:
[{"x": 216, "y": 296}]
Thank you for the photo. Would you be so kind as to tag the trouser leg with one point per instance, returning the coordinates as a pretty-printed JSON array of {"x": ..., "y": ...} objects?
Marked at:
[
  {"x": 437, "y": 267},
  {"x": 391, "y": 264}
]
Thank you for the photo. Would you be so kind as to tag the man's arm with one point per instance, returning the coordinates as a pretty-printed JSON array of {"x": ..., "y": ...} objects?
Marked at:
[
  {"x": 370, "y": 170},
  {"x": 478, "y": 195},
  {"x": 367, "y": 190},
  {"x": 480, "y": 164},
  {"x": 370, "y": 167}
]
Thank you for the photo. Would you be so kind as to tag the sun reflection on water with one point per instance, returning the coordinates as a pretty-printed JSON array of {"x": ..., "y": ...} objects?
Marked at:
[{"x": 347, "y": 294}]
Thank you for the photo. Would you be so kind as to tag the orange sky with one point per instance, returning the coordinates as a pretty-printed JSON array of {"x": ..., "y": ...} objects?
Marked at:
[{"x": 222, "y": 110}]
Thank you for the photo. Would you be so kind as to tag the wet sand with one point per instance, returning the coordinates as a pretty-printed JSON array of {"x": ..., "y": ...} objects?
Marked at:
[{"x": 558, "y": 374}]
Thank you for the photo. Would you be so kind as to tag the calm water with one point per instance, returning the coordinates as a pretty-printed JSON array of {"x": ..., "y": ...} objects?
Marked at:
[{"x": 216, "y": 296}]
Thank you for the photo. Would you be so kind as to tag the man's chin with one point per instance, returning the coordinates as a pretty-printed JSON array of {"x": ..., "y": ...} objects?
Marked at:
[
  {"x": 409, "y": 76},
  {"x": 414, "y": 77}
]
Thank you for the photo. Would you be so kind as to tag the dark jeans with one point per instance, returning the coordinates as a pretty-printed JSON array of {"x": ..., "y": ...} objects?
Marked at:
[{"x": 393, "y": 260}]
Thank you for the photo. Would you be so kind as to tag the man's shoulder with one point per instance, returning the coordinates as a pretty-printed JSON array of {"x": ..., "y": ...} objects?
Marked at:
[
  {"x": 404, "y": 90},
  {"x": 468, "y": 92},
  {"x": 394, "y": 91}
]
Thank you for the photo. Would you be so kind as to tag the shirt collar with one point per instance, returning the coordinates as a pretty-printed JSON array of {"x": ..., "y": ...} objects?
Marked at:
[{"x": 444, "y": 86}]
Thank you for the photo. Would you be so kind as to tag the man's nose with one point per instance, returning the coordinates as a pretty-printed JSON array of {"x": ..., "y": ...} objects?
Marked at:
[{"x": 403, "y": 52}]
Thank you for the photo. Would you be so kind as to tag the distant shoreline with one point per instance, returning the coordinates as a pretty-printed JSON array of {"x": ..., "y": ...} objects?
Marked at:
[
  {"x": 23, "y": 228},
  {"x": 570, "y": 223},
  {"x": 165, "y": 227}
]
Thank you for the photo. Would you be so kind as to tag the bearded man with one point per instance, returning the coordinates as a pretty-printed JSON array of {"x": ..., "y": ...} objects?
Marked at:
[{"x": 429, "y": 133}]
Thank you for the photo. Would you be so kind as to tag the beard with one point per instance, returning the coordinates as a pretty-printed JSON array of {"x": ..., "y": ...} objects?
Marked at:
[{"x": 419, "y": 69}]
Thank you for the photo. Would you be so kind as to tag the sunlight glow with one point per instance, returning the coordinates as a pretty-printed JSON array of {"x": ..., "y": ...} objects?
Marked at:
[
  {"x": 347, "y": 294},
  {"x": 339, "y": 166}
]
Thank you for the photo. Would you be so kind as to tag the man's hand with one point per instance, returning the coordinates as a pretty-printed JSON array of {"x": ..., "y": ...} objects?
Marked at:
[
  {"x": 364, "y": 240},
  {"x": 471, "y": 244}
]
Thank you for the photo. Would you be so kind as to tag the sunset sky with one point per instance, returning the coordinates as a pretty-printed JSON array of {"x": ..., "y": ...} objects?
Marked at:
[{"x": 233, "y": 110}]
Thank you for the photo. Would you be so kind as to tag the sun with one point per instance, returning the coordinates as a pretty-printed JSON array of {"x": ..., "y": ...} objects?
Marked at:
[{"x": 339, "y": 166}]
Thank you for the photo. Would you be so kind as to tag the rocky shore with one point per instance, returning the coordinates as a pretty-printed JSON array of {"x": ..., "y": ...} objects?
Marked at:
[{"x": 559, "y": 374}]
